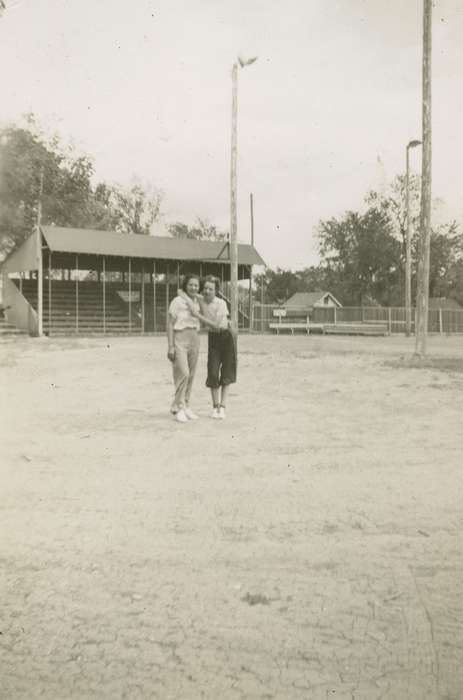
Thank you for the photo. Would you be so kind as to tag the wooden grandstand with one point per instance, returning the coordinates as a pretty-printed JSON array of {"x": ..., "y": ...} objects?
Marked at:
[{"x": 64, "y": 281}]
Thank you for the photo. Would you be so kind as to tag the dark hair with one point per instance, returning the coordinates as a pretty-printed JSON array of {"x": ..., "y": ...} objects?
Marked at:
[
  {"x": 186, "y": 279},
  {"x": 215, "y": 281}
]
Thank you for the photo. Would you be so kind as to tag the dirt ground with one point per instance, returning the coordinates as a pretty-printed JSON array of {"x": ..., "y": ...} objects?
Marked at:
[{"x": 310, "y": 546}]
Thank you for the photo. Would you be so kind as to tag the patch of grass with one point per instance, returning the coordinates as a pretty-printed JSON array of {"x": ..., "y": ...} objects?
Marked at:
[{"x": 442, "y": 364}]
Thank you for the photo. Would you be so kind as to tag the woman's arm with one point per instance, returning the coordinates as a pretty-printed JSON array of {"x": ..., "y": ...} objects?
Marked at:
[
  {"x": 170, "y": 339},
  {"x": 198, "y": 314}
]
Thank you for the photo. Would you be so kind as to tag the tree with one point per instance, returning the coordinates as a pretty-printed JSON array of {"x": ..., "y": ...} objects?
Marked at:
[
  {"x": 136, "y": 208},
  {"x": 203, "y": 230},
  {"x": 445, "y": 260},
  {"x": 393, "y": 203},
  {"x": 446, "y": 240},
  {"x": 68, "y": 196},
  {"x": 278, "y": 285},
  {"x": 360, "y": 256}
]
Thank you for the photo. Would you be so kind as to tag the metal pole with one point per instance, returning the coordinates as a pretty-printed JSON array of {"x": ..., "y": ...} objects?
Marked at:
[
  {"x": 233, "y": 204},
  {"x": 251, "y": 201},
  {"x": 143, "y": 297},
  {"x": 262, "y": 303},
  {"x": 77, "y": 293},
  {"x": 250, "y": 297},
  {"x": 408, "y": 262},
  {"x": 104, "y": 294},
  {"x": 49, "y": 292},
  {"x": 167, "y": 292},
  {"x": 130, "y": 294},
  {"x": 154, "y": 296},
  {"x": 422, "y": 301},
  {"x": 39, "y": 261},
  {"x": 408, "y": 254}
]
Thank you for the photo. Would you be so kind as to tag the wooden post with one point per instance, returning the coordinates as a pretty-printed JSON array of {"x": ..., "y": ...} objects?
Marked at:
[
  {"x": 178, "y": 275},
  {"x": 389, "y": 320},
  {"x": 130, "y": 294},
  {"x": 143, "y": 298},
  {"x": 422, "y": 301},
  {"x": 77, "y": 294},
  {"x": 104, "y": 294},
  {"x": 440, "y": 322},
  {"x": 335, "y": 319},
  {"x": 154, "y": 296}
]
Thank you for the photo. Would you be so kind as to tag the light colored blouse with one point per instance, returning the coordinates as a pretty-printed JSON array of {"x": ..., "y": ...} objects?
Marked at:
[
  {"x": 216, "y": 311},
  {"x": 181, "y": 315}
]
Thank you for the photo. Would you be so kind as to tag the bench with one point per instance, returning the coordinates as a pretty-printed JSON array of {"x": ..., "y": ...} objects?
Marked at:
[
  {"x": 290, "y": 326},
  {"x": 356, "y": 328}
]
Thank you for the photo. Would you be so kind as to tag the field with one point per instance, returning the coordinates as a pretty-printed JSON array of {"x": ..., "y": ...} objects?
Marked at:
[{"x": 310, "y": 546}]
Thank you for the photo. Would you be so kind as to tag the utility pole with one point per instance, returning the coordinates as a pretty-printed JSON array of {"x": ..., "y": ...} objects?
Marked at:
[
  {"x": 422, "y": 300},
  {"x": 408, "y": 254}
]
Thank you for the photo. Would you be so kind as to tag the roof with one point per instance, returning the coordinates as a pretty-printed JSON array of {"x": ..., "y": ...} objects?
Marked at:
[
  {"x": 444, "y": 303},
  {"x": 93, "y": 242},
  {"x": 306, "y": 300}
]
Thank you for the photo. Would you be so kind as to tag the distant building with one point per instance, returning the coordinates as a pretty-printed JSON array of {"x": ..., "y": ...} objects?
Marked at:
[{"x": 312, "y": 300}]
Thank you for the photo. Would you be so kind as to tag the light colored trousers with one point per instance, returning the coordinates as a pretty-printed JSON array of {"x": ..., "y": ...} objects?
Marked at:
[{"x": 184, "y": 365}]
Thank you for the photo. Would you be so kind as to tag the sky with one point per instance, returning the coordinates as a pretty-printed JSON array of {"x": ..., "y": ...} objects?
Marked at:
[{"x": 324, "y": 114}]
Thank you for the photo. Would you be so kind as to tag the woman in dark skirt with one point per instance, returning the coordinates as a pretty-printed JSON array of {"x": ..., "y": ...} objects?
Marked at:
[{"x": 221, "y": 358}]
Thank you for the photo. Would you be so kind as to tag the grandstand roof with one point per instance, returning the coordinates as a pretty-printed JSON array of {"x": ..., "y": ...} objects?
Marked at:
[{"x": 93, "y": 242}]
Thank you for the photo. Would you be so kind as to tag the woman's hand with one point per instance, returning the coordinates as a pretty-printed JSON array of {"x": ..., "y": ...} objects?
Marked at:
[
  {"x": 171, "y": 354},
  {"x": 191, "y": 306}
]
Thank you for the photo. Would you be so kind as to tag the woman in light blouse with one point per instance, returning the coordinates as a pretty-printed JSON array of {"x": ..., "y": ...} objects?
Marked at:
[
  {"x": 221, "y": 356},
  {"x": 183, "y": 341}
]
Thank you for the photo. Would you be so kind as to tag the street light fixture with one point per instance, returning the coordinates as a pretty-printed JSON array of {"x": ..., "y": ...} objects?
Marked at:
[
  {"x": 408, "y": 261},
  {"x": 233, "y": 192}
]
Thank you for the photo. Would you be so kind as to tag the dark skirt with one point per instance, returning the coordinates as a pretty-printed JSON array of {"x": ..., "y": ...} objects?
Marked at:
[{"x": 221, "y": 359}]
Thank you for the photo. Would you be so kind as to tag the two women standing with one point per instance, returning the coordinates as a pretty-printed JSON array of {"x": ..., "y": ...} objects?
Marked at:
[{"x": 186, "y": 313}]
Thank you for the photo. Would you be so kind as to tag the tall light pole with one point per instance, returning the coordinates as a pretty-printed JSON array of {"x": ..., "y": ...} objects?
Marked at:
[
  {"x": 422, "y": 300},
  {"x": 233, "y": 194},
  {"x": 40, "y": 260},
  {"x": 408, "y": 257}
]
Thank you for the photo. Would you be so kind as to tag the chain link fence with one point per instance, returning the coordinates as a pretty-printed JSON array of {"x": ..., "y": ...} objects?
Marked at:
[{"x": 266, "y": 316}]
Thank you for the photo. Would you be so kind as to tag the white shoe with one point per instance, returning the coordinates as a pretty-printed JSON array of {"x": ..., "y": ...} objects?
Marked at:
[
  {"x": 190, "y": 415},
  {"x": 215, "y": 413},
  {"x": 222, "y": 412},
  {"x": 180, "y": 416}
]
